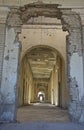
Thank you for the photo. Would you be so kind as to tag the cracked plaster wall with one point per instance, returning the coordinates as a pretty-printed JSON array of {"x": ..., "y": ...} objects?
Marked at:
[
  {"x": 9, "y": 76},
  {"x": 74, "y": 64}
]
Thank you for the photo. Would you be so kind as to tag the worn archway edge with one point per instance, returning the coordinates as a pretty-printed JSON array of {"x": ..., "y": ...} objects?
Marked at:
[
  {"x": 64, "y": 90},
  {"x": 71, "y": 22},
  {"x": 46, "y": 46}
]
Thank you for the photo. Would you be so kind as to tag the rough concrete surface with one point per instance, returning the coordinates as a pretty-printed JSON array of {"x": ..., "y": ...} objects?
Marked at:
[
  {"x": 72, "y": 22},
  {"x": 37, "y": 117},
  {"x": 42, "y": 112},
  {"x": 41, "y": 126}
]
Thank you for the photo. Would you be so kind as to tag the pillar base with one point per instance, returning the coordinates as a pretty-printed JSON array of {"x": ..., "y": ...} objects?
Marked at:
[{"x": 7, "y": 113}]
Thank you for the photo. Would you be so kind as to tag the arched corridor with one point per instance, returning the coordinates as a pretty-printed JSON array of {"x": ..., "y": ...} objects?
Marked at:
[{"x": 41, "y": 80}]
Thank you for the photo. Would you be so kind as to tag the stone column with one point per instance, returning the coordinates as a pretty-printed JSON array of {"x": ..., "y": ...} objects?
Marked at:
[
  {"x": 82, "y": 100},
  {"x": 29, "y": 93},
  {"x": 72, "y": 23},
  {"x": 52, "y": 89},
  {"x": 3, "y": 16},
  {"x": 10, "y": 69},
  {"x": 56, "y": 85},
  {"x": 81, "y": 13}
]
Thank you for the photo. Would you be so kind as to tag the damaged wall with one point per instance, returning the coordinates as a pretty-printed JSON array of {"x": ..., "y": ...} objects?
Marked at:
[{"x": 71, "y": 22}]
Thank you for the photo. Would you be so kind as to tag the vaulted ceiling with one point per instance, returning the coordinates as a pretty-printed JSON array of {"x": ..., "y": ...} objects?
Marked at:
[{"x": 42, "y": 61}]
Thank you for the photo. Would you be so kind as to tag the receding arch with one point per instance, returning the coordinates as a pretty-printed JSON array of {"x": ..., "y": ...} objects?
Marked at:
[
  {"x": 34, "y": 51},
  {"x": 44, "y": 46}
]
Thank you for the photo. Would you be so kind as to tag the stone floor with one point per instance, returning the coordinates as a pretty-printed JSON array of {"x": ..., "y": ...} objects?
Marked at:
[
  {"x": 42, "y": 112},
  {"x": 41, "y": 117},
  {"x": 41, "y": 126}
]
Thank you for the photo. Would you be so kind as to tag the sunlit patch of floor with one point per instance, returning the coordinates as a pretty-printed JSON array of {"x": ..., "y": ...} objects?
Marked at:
[{"x": 42, "y": 112}]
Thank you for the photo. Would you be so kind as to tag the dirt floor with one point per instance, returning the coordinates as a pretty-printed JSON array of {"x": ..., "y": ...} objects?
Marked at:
[
  {"x": 41, "y": 117},
  {"x": 42, "y": 112}
]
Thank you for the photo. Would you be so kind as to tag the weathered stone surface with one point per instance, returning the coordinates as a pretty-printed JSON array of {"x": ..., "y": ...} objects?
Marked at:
[
  {"x": 2, "y": 36},
  {"x": 71, "y": 22},
  {"x": 7, "y": 112},
  {"x": 10, "y": 76},
  {"x": 14, "y": 19},
  {"x": 3, "y": 16}
]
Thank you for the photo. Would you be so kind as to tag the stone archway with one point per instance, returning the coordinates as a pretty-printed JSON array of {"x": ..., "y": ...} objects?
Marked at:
[
  {"x": 71, "y": 23},
  {"x": 37, "y": 59}
]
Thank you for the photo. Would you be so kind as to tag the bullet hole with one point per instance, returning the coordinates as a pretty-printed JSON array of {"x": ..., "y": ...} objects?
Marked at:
[
  {"x": 24, "y": 37},
  {"x": 6, "y": 78},
  {"x": 7, "y": 57},
  {"x": 76, "y": 86},
  {"x": 11, "y": 49}
]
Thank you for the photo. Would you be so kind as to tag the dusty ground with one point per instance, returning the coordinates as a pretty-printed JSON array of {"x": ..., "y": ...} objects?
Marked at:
[
  {"x": 42, "y": 112},
  {"x": 41, "y": 117},
  {"x": 42, "y": 126}
]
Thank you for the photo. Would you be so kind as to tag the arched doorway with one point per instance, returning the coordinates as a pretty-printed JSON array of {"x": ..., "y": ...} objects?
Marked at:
[
  {"x": 70, "y": 22},
  {"x": 42, "y": 70},
  {"x": 41, "y": 96}
]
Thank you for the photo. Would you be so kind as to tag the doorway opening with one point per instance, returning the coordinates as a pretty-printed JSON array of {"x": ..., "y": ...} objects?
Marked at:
[
  {"x": 42, "y": 82},
  {"x": 41, "y": 96},
  {"x": 43, "y": 63}
]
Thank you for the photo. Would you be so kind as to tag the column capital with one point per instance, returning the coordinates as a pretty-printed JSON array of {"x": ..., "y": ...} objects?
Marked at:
[
  {"x": 70, "y": 20},
  {"x": 81, "y": 14},
  {"x": 82, "y": 19},
  {"x": 3, "y": 14},
  {"x": 14, "y": 19}
]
